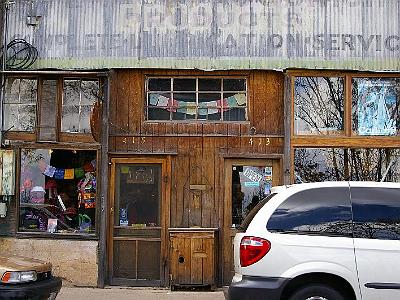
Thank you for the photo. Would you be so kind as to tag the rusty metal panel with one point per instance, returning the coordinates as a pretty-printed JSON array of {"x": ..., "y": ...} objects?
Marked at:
[{"x": 211, "y": 34}]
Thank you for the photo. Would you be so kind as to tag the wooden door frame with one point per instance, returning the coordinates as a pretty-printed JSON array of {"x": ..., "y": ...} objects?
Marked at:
[
  {"x": 225, "y": 252},
  {"x": 165, "y": 200}
]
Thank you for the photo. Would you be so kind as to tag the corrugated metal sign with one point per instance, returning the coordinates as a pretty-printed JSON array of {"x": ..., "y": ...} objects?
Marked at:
[{"x": 211, "y": 34}]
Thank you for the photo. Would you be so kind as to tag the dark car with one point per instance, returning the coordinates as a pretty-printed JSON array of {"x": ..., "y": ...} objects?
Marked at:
[{"x": 27, "y": 278}]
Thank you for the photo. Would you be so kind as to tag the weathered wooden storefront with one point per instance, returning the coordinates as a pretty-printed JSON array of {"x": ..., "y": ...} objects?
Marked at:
[
  {"x": 184, "y": 172},
  {"x": 139, "y": 134}
]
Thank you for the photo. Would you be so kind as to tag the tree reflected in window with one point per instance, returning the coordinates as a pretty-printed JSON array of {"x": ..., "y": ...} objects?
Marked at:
[
  {"x": 313, "y": 165},
  {"x": 318, "y": 105}
]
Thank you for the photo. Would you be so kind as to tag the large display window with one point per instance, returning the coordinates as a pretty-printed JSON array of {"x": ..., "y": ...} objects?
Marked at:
[
  {"x": 360, "y": 164},
  {"x": 57, "y": 191}
]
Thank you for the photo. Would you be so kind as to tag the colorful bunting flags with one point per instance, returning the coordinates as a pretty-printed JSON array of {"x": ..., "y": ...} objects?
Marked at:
[
  {"x": 204, "y": 108},
  {"x": 58, "y": 173}
]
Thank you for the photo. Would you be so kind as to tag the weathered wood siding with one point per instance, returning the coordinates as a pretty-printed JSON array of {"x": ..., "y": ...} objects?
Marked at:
[{"x": 198, "y": 148}]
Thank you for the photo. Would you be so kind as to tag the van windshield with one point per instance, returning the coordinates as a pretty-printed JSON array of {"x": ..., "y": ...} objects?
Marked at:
[{"x": 253, "y": 212}]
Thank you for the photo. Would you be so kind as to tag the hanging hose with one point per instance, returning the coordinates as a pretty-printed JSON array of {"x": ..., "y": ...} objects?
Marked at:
[{"x": 20, "y": 55}]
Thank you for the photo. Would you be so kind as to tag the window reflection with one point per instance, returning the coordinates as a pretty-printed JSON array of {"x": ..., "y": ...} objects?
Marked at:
[
  {"x": 318, "y": 105},
  {"x": 20, "y": 104},
  {"x": 322, "y": 164},
  {"x": 316, "y": 211},
  {"x": 250, "y": 184},
  {"x": 376, "y": 213}
]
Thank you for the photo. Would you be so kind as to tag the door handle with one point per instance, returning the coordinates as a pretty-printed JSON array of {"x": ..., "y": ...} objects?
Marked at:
[{"x": 111, "y": 210}]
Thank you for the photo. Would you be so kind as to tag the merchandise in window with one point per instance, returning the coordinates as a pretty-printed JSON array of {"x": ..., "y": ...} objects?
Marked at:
[
  {"x": 323, "y": 164},
  {"x": 318, "y": 105},
  {"x": 57, "y": 191},
  {"x": 375, "y": 106},
  {"x": 20, "y": 104},
  {"x": 205, "y": 99},
  {"x": 79, "y": 96}
]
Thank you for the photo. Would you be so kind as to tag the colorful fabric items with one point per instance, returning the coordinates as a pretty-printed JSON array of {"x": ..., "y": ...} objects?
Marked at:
[
  {"x": 57, "y": 173},
  {"x": 204, "y": 108}
]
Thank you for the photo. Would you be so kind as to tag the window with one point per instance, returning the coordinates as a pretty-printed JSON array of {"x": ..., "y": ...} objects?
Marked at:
[
  {"x": 375, "y": 106},
  {"x": 321, "y": 211},
  {"x": 202, "y": 99},
  {"x": 79, "y": 96},
  {"x": 57, "y": 191},
  {"x": 20, "y": 104},
  {"x": 318, "y": 105},
  {"x": 323, "y": 164},
  {"x": 250, "y": 185},
  {"x": 376, "y": 213}
]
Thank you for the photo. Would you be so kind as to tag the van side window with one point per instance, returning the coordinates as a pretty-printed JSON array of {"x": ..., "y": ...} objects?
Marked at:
[
  {"x": 376, "y": 213},
  {"x": 319, "y": 211}
]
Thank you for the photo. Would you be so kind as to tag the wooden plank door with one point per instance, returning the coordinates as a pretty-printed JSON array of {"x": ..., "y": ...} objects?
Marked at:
[
  {"x": 139, "y": 214},
  {"x": 247, "y": 181}
]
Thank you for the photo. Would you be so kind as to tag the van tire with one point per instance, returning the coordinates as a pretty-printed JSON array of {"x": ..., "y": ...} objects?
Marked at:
[{"x": 320, "y": 291}]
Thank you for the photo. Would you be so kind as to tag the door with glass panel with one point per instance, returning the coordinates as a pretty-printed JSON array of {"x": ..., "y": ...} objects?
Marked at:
[
  {"x": 247, "y": 182},
  {"x": 137, "y": 229}
]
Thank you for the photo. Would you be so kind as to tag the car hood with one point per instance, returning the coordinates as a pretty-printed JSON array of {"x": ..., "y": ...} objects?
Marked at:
[{"x": 18, "y": 263}]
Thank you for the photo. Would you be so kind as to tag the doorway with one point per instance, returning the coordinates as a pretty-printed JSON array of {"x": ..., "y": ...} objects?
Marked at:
[
  {"x": 247, "y": 181},
  {"x": 138, "y": 222}
]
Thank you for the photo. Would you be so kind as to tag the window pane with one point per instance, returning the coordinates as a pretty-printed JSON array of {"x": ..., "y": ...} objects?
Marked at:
[
  {"x": 69, "y": 119},
  {"x": 235, "y": 114},
  {"x": 84, "y": 119},
  {"x": 18, "y": 117},
  {"x": 321, "y": 211},
  {"x": 209, "y": 85},
  {"x": 71, "y": 92},
  {"x": 318, "y": 105},
  {"x": 312, "y": 164},
  {"x": 138, "y": 195},
  {"x": 184, "y": 84},
  {"x": 159, "y": 84},
  {"x": 250, "y": 184},
  {"x": 155, "y": 113},
  {"x": 78, "y": 98},
  {"x": 89, "y": 90},
  {"x": 376, "y": 213},
  {"x": 375, "y": 106},
  {"x": 20, "y": 104},
  {"x": 12, "y": 92},
  {"x": 58, "y": 191},
  {"x": 28, "y": 88},
  {"x": 183, "y": 106},
  {"x": 234, "y": 85}
]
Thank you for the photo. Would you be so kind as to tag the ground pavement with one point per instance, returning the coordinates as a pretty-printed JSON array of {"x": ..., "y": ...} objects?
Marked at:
[{"x": 69, "y": 293}]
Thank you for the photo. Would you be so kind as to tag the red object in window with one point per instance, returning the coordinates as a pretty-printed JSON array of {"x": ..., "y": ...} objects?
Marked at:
[{"x": 252, "y": 249}]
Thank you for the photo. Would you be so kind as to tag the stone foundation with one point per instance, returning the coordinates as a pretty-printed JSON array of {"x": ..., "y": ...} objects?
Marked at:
[{"x": 74, "y": 261}]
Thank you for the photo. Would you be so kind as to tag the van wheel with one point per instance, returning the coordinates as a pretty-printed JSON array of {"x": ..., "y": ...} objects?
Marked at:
[{"x": 316, "y": 292}]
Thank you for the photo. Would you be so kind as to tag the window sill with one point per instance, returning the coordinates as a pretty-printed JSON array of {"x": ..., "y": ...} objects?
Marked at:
[{"x": 56, "y": 236}]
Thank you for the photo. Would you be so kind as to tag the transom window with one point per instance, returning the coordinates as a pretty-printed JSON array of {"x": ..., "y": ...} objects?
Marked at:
[
  {"x": 203, "y": 99},
  {"x": 20, "y": 104}
]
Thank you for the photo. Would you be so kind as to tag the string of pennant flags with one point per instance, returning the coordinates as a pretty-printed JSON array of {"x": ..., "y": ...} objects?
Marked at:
[
  {"x": 202, "y": 108},
  {"x": 58, "y": 173}
]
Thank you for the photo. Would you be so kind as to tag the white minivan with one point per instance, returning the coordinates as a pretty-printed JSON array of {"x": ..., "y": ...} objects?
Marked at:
[{"x": 321, "y": 241}]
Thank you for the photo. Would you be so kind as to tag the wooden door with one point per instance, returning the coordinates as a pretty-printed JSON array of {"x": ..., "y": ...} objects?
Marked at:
[
  {"x": 247, "y": 181},
  {"x": 139, "y": 214}
]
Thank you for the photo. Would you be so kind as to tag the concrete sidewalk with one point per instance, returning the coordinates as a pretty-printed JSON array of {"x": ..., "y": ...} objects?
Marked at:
[{"x": 110, "y": 293}]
